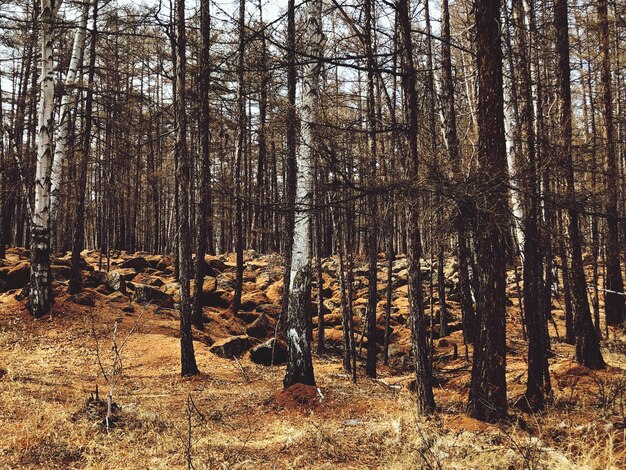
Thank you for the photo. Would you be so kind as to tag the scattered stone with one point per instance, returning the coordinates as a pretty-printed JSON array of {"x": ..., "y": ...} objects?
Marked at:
[
  {"x": 138, "y": 263},
  {"x": 213, "y": 265},
  {"x": 145, "y": 294},
  {"x": 60, "y": 272},
  {"x": 83, "y": 298},
  {"x": 217, "y": 299},
  {"x": 262, "y": 354},
  {"x": 260, "y": 328},
  {"x": 231, "y": 347},
  {"x": 18, "y": 276},
  {"x": 115, "y": 281},
  {"x": 252, "y": 300},
  {"x": 94, "y": 278}
]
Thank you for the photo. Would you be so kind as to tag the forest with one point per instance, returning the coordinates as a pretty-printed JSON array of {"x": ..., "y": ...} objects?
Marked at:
[{"x": 313, "y": 234}]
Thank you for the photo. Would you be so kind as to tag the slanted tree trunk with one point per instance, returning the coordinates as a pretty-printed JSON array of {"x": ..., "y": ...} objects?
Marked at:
[
  {"x": 300, "y": 364},
  {"x": 487, "y": 397},
  {"x": 183, "y": 171},
  {"x": 423, "y": 372},
  {"x": 40, "y": 292},
  {"x": 614, "y": 295},
  {"x": 62, "y": 131},
  {"x": 587, "y": 343},
  {"x": 78, "y": 237}
]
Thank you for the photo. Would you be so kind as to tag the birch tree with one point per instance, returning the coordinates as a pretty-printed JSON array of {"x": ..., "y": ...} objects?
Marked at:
[
  {"x": 40, "y": 292},
  {"x": 300, "y": 364},
  {"x": 61, "y": 137}
]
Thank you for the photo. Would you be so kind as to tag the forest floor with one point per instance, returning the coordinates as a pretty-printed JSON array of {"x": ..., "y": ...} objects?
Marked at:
[{"x": 235, "y": 413}]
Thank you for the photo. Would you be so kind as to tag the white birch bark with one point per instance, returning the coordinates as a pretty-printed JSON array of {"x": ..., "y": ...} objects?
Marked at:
[
  {"x": 300, "y": 366},
  {"x": 509, "y": 122},
  {"x": 61, "y": 135},
  {"x": 40, "y": 293}
]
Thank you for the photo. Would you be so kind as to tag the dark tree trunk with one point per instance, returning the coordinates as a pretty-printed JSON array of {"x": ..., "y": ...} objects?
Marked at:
[
  {"x": 290, "y": 190},
  {"x": 183, "y": 172},
  {"x": 78, "y": 238},
  {"x": 423, "y": 372},
  {"x": 614, "y": 295},
  {"x": 372, "y": 234},
  {"x": 204, "y": 238},
  {"x": 241, "y": 134},
  {"x": 487, "y": 398},
  {"x": 587, "y": 344}
]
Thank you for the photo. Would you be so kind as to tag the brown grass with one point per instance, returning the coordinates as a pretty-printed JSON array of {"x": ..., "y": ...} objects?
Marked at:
[{"x": 49, "y": 369}]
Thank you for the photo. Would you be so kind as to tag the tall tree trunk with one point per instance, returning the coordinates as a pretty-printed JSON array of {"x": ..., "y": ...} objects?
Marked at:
[
  {"x": 487, "y": 397},
  {"x": 290, "y": 189},
  {"x": 60, "y": 149},
  {"x": 78, "y": 237},
  {"x": 300, "y": 364},
  {"x": 452, "y": 143},
  {"x": 241, "y": 134},
  {"x": 40, "y": 292},
  {"x": 423, "y": 372},
  {"x": 614, "y": 295},
  {"x": 204, "y": 238},
  {"x": 183, "y": 170},
  {"x": 587, "y": 344},
  {"x": 532, "y": 266},
  {"x": 372, "y": 235}
]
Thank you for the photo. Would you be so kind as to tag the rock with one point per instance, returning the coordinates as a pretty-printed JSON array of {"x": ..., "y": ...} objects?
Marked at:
[
  {"x": 248, "y": 317},
  {"x": 260, "y": 328},
  {"x": 95, "y": 278},
  {"x": 156, "y": 282},
  {"x": 209, "y": 285},
  {"x": 104, "y": 289},
  {"x": 252, "y": 300},
  {"x": 127, "y": 273},
  {"x": 262, "y": 354},
  {"x": 231, "y": 347},
  {"x": 165, "y": 264},
  {"x": 60, "y": 272},
  {"x": 263, "y": 281},
  {"x": 18, "y": 276},
  {"x": 217, "y": 299},
  {"x": 115, "y": 281},
  {"x": 138, "y": 263},
  {"x": 145, "y": 294},
  {"x": 274, "y": 292},
  {"x": 83, "y": 298},
  {"x": 117, "y": 297},
  {"x": 272, "y": 310},
  {"x": 214, "y": 265}
]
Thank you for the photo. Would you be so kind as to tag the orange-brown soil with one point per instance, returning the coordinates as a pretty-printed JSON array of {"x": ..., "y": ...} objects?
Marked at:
[{"x": 235, "y": 413}]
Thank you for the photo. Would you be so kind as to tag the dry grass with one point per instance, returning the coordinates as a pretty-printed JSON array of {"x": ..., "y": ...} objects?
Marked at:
[{"x": 48, "y": 370}]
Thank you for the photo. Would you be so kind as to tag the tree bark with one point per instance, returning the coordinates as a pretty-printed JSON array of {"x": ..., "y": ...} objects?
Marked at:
[
  {"x": 587, "y": 344},
  {"x": 300, "y": 364},
  {"x": 487, "y": 398},
  {"x": 183, "y": 170},
  {"x": 423, "y": 372},
  {"x": 614, "y": 295},
  {"x": 40, "y": 292}
]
